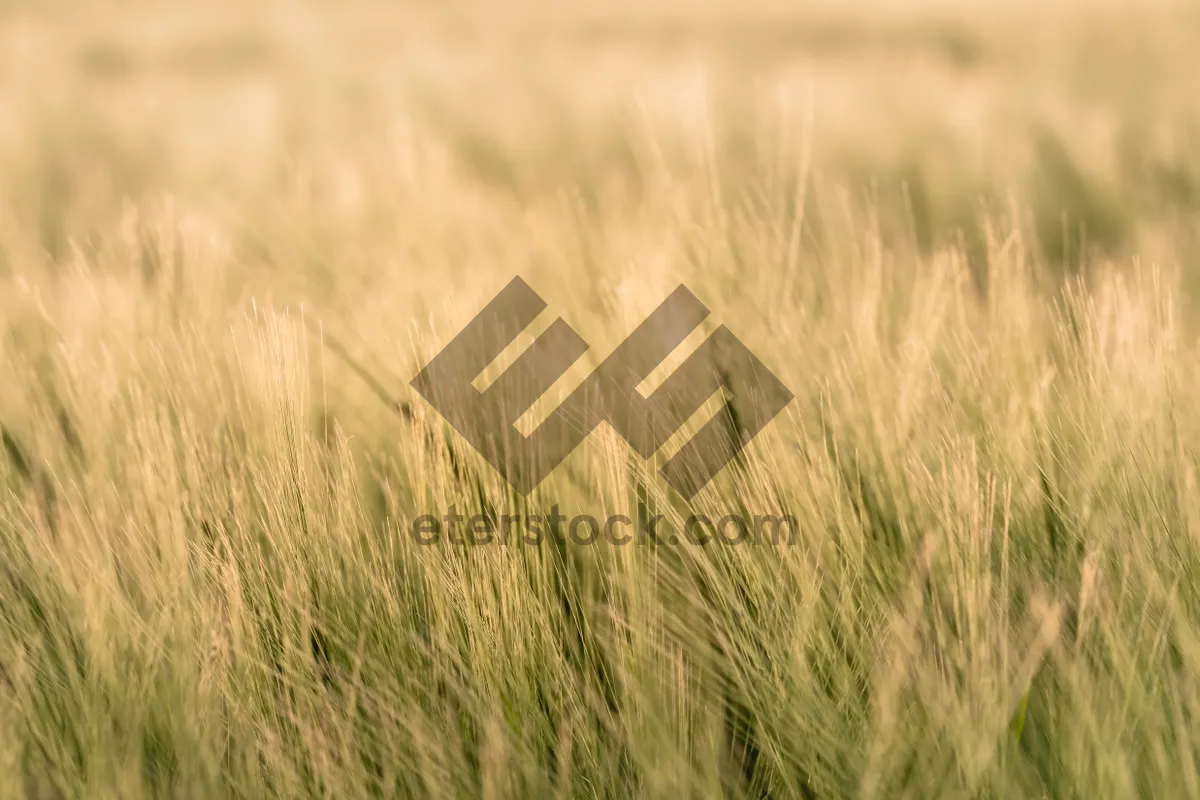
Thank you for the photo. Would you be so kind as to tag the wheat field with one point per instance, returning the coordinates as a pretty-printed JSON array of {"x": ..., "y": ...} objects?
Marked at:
[{"x": 965, "y": 236}]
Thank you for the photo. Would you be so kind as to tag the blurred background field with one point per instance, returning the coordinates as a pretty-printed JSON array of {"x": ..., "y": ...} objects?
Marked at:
[
  {"x": 267, "y": 115},
  {"x": 965, "y": 235}
]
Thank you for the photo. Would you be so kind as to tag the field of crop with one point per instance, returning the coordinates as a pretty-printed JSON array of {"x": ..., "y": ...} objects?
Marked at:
[{"x": 965, "y": 236}]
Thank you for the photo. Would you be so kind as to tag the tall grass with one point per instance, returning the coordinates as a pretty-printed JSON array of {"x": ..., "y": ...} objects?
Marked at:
[{"x": 229, "y": 237}]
